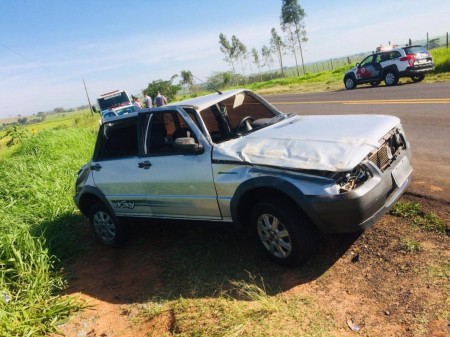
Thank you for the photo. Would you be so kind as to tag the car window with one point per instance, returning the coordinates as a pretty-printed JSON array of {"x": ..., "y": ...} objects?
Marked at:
[
  {"x": 367, "y": 60},
  {"x": 162, "y": 128},
  {"x": 415, "y": 49},
  {"x": 383, "y": 57},
  {"x": 222, "y": 119},
  {"x": 394, "y": 55},
  {"x": 117, "y": 140}
]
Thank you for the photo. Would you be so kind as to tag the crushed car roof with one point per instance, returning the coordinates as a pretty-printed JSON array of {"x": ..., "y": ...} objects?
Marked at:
[{"x": 203, "y": 102}]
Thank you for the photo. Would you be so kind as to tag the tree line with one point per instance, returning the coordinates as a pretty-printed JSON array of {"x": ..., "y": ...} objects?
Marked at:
[
  {"x": 236, "y": 54},
  {"x": 292, "y": 24}
]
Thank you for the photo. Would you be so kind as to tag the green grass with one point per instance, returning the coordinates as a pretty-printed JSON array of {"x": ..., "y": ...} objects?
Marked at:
[
  {"x": 36, "y": 229},
  {"x": 429, "y": 222},
  {"x": 245, "y": 309},
  {"x": 411, "y": 245},
  {"x": 441, "y": 58}
]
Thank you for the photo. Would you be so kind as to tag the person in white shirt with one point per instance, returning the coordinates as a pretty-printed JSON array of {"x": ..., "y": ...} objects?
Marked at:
[{"x": 147, "y": 101}]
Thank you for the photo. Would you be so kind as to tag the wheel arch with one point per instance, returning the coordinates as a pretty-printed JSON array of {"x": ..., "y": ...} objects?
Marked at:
[
  {"x": 257, "y": 189},
  {"x": 89, "y": 198},
  {"x": 391, "y": 68}
]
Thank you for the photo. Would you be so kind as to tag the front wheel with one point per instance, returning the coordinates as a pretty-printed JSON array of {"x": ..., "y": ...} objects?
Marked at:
[
  {"x": 390, "y": 78},
  {"x": 282, "y": 232},
  {"x": 418, "y": 78},
  {"x": 350, "y": 82},
  {"x": 107, "y": 228}
]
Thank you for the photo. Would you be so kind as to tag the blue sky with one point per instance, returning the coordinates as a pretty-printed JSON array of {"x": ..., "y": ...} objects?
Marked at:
[{"x": 47, "y": 47}]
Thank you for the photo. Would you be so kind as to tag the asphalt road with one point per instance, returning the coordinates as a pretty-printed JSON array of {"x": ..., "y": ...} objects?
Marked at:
[{"x": 425, "y": 113}]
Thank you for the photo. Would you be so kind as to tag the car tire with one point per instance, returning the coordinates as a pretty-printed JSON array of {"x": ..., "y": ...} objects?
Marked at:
[
  {"x": 418, "y": 78},
  {"x": 350, "y": 82},
  {"x": 375, "y": 83},
  {"x": 107, "y": 228},
  {"x": 391, "y": 77},
  {"x": 283, "y": 232}
]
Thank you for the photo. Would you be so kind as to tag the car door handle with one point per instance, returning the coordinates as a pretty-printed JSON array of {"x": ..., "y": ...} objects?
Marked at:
[
  {"x": 95, "y": 167},
  {"x": 145, "y": 165}
]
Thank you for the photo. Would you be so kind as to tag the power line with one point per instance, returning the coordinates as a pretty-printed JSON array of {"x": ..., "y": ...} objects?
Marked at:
[{"x": 29, "y": 60}]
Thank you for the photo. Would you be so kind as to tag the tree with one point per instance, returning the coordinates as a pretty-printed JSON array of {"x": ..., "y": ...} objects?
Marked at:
[
  {"x": 219, "y": 80},
  {"x": 278, "y": 46},
  {"x": 22, "y": 121},
  {"x": 240, "y": 51},
  {"x": 292, "y": 45},
  {"x": 167, "y": 88},
  {"x": 257, "y": 61},
  {"x": 267, "y": 58},
  {"x": 187, "y": 79},
  {"x": 292, "y": 16},
  {"x": 228, "y": 49}
]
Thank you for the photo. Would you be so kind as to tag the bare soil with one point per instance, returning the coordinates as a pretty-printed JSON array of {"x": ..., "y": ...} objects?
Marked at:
[{"x": 370, "y": 284}]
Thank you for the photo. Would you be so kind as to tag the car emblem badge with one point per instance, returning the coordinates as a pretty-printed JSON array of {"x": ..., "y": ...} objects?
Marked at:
[{"x": 123, "y": 204}]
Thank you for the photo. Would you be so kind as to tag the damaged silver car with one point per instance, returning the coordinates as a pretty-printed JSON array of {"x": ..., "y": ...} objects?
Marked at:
[{"x": 233, "y": 157}]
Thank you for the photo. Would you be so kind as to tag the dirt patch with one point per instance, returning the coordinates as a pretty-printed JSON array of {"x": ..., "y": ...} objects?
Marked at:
[{"x": 374, "y": 284}]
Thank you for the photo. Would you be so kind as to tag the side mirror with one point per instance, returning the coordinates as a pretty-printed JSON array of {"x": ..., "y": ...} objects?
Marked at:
[
  {"x": 188, "y": 145},
  {"x": 94, "y": 109},
  {"x": 358, "y": 65}
]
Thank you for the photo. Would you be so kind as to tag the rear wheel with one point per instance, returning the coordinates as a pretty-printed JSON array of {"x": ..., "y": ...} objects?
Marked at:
[
  {"x": 282, "y": 232},
  {"x": 418, "y": 78},
  {"x": 391, "y": 77},
  {"x": 107, "y": 228},
  {"x": 350, "y": 82}
]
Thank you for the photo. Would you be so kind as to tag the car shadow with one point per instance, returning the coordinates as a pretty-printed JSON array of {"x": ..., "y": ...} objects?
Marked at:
[
  {"x": 368, "y": 86},
  {"x": 167, "y": 260}
]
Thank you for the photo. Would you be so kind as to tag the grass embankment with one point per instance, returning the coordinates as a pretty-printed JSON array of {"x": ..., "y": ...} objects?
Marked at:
[{"x": 37, "y": 214}]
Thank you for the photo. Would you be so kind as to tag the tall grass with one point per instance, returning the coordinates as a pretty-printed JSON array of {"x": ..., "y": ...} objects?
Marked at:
[
  {"x": 441, "y": 58},
  {"x": 37, "y": 215}
]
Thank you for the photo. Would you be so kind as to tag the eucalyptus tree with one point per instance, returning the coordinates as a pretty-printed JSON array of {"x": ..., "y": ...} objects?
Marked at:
[
  {"x": 257, "y": 61},
  {"x": 187, "y": 79},
  {"x": 292, "y": 20},
  {"x": 240, "y": 51},
  {"x": 278, "y": 47},
  {"x": 228, "y": 49},
  {"x": 266, "y": 54}
]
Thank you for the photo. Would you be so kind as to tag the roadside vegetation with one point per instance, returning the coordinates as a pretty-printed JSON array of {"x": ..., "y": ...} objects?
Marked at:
[
  {"x": 36, "y": 228},
  {"x": 39, "y": 236}
]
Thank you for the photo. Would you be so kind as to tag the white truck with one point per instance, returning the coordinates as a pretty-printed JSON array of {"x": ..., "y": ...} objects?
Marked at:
[{"x": 113, "y": 99}]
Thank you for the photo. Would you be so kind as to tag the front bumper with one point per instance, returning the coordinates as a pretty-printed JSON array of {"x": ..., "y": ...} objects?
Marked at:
[{"x": 357, "y": 210}]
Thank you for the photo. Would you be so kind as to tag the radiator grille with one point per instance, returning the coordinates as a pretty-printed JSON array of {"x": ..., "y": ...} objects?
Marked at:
[{"x": 381, "y": 158}]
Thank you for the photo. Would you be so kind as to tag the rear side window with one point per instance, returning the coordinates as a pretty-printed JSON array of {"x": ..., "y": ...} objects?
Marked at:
[
  {"x": 394, "y": 54},
  {"x": 117, "y": 140}
]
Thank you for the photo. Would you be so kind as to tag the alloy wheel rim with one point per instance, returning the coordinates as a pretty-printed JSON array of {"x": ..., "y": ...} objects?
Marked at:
[
  {"x": 104, "y": 226},
  {"x": 274, "y": 236},
  {"x": 349, "y": 83},
  {"x": 390, "y": 78}
]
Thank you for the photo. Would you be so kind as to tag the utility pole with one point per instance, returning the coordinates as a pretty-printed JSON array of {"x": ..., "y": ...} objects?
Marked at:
[{"x": 87, "y": 95}]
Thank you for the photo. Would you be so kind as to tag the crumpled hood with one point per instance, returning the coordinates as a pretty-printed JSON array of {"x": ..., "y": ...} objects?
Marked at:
[{"x": 330, "y": 143}]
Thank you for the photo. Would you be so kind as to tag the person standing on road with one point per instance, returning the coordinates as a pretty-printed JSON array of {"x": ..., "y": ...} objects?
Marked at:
[
  {"x": 136, "y": 102},
  {"x": 160, "y": 100},
  {"x": 147, "y": 101}
]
